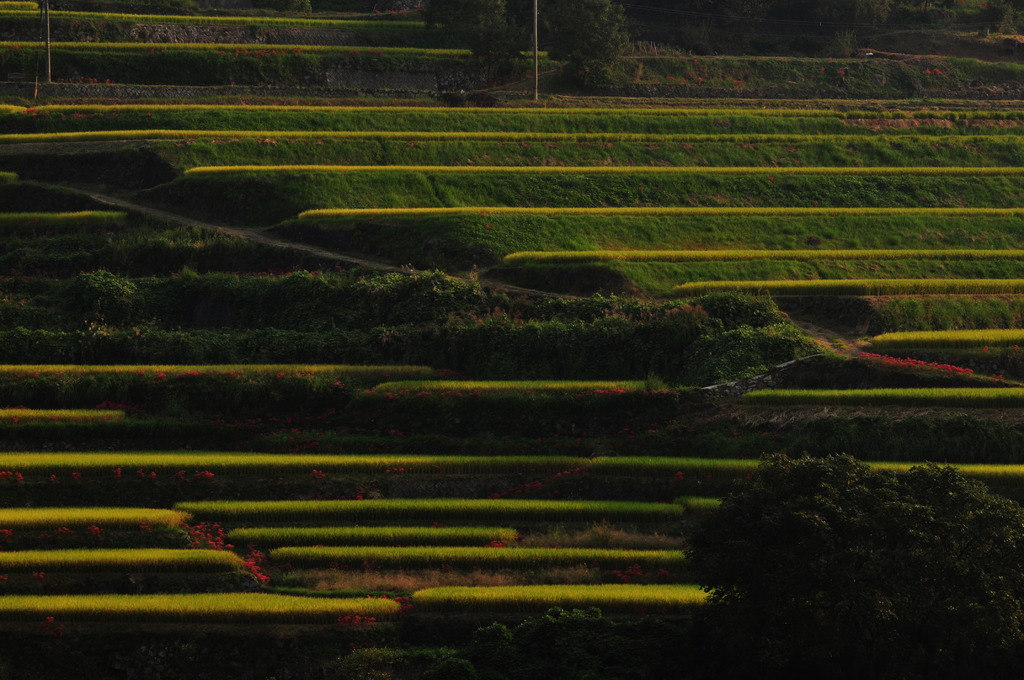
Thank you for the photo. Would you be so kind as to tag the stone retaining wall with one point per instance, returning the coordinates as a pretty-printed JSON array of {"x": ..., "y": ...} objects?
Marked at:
[
  {"x": 78, "y": 32},
  {"x": 773, "y": 378},
  {"x": 328, "y": 83}
]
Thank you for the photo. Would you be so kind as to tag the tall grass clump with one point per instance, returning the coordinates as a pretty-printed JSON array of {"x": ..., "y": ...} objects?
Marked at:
[{"x": 8, "y": 177}]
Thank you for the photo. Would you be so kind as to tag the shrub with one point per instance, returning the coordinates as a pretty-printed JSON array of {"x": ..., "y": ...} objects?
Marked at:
[{"x": 103, "y": 296}]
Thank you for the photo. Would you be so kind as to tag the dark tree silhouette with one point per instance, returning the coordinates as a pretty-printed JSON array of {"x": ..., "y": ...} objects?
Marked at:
[{"x": 836, "y": 568}]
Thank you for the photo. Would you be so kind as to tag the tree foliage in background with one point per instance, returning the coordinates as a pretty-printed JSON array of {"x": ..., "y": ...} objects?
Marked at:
[
  {"x": 830, "y": 567},
  {"x": 484, "y": 26},
  {"x": 589, "y": 34},
  {"x": 580, "y": 644}
]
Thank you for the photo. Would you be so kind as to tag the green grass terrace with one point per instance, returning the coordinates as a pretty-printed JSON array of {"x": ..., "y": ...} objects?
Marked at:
[{"x": 434, "y": 119}]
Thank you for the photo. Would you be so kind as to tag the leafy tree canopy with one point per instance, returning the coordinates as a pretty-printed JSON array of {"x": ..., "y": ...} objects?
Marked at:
[
  {"x": 589, "y": 34},
  {"x": 831, "y": 567}
]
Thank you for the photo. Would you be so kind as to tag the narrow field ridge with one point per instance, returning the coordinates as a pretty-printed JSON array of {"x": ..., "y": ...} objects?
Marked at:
[
  {"x": 728, "y": 255},
  {"x": 234, "y": 608},
  {"x": 858, "y": 287},
  {"x": 120, "y": 560},
  {"x": 433, "y": 509},
  {"x": 986, "y": 337},
  {"x": 511, "y": 135},
  {"x": 654, "y": 210},
  {"x": 967, "y": 397},
  {"x": 770, "y": 172},
  {"x": 608, "y": 597},
  {"x": 16, "y": 518}
]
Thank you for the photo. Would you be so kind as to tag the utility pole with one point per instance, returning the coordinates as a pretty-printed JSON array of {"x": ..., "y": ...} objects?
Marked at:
[
  {"x": 46, "y": 13},
  {"x": 536, "y": 57}
]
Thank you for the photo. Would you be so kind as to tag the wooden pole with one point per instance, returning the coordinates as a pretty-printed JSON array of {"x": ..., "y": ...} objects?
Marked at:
[
  {"x": 536, "y": 57},
  {"x": 46, "y": 12}
]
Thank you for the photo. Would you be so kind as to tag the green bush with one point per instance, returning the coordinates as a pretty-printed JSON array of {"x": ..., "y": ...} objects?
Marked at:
[
  {"x": 744, "y": 352},
  {"x": 103, "y": 296},
  {"x": 734, "y": 310},
  {"x": 451, "y": 669},
  {"x": 369, "y": 663},
  {"x": 579, "y": 645}
]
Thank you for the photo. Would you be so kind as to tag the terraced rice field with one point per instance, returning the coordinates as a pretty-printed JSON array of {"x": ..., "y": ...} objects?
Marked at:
[
  {"x": 270, "y": 421},
  {"x": 678, "y": 193}
]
